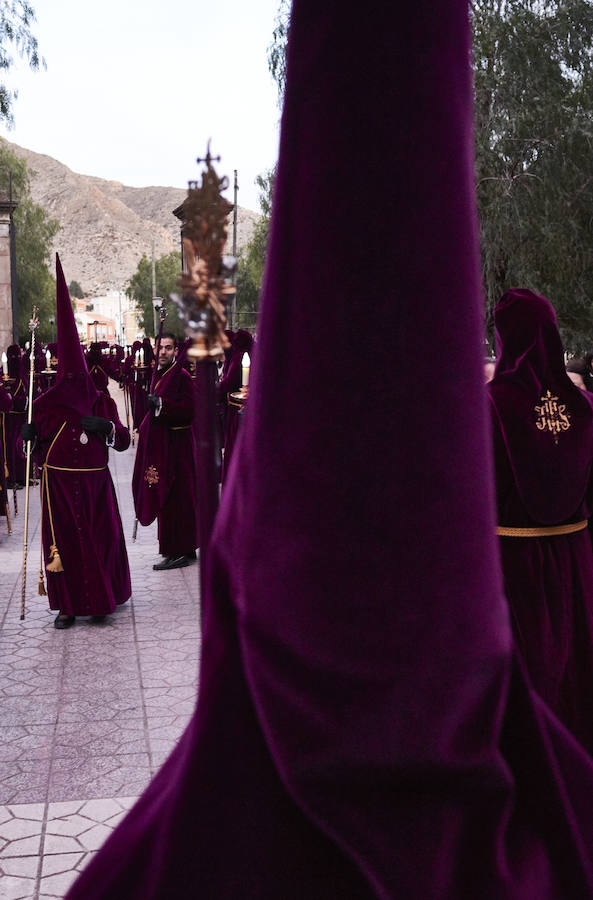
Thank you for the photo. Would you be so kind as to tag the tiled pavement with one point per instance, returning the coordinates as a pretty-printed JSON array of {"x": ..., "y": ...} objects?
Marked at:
[{"x": 87, "y": 715}]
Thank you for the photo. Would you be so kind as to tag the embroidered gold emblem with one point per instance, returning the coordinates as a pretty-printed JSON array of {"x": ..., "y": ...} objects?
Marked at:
[
  {"x": 552, "y": 416},
  {"x": 151, "y": 476}
]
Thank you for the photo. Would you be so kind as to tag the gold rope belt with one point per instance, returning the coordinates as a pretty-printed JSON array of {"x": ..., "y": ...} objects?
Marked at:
[
  {"x": 180, "y": 427},
  {"x": 549, "y": 531},
  {"x": 65, "y": 469}
]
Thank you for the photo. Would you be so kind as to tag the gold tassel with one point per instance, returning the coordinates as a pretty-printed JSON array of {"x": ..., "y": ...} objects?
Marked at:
[
  {"x": 41, "y": 585},
  {"x": 55, "y": 563}
]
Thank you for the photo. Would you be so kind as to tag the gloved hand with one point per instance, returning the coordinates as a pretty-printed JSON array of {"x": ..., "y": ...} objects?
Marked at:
[
  {"x": 154, "y": 401},
  {"x": 96, "y": 424},
  {"x": 28, "y": 432}
]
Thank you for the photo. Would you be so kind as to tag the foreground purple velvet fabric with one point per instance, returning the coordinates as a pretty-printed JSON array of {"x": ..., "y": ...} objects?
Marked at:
[
  {"x": 362, "y": 728},
  {"x": 543, "y": 478}
]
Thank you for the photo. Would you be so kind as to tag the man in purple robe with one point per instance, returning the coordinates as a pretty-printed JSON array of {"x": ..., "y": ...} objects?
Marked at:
[
  {"x": 364, "y": 729},
  {"x": 86, "y": 563},
  {"x": 16, "y": 417},
  {"x": 543, "y": 455},
  {"x": 165, "y": 482}
]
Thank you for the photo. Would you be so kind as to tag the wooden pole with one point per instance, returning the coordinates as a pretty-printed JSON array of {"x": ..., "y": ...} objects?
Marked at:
[{"x": 33, "y": 325}]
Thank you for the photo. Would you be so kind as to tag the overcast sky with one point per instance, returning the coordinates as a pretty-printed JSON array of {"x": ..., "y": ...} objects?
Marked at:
[{"x": 133, "y": 90}]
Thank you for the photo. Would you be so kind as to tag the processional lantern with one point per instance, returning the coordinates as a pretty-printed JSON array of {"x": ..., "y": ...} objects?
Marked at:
[{"x": 206, "y": 281}]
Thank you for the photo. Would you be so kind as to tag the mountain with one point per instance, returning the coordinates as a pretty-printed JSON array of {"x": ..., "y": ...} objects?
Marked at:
[{"x": 107, "y": 226}]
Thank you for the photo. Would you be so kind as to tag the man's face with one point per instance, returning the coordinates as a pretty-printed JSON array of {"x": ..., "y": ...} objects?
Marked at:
[{"x": 167, "y": 352}]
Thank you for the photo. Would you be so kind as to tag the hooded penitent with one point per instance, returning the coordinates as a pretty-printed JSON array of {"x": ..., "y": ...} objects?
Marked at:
[
  {"x": 543, "y": 453},
  {"x": 98, "y": 366},
  {"x": 14, "y": 354},
  {"x": 6, "y": 405},
  {"x": 546, "y": 422},
  {"x": 86, "y": 565},
  {"x": 362, "y": 729},
  {"x": 242, "y": 342}
]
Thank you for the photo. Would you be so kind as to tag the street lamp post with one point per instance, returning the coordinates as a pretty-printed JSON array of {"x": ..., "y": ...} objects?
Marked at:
[{"x": 157, "y": 302}]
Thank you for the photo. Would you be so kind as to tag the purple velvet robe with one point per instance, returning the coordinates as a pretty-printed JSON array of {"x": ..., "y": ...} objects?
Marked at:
[
  {"x": 363, "y": 728},
  {"x": 166, "y": 445},
  {"x": 544, "y": 478},
  {"x": 86, "y": 522}
]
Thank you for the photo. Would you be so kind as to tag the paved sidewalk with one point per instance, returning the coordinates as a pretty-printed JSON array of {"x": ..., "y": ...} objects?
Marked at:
[{"x": 87, "y": 715}]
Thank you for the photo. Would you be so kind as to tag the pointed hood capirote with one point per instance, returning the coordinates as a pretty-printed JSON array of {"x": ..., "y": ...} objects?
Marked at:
[
  {"x": 74, "y": 389},
  {"x": 353, "y": 614}
]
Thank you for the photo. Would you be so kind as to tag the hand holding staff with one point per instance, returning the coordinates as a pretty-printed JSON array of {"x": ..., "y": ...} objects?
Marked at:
[{"x": 33, "y": 325}]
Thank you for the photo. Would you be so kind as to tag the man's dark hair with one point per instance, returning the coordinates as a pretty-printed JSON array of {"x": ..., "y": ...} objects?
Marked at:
[{"x": 169, "y": 334}]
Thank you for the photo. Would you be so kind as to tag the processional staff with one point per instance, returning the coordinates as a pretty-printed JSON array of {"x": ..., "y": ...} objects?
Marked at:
[
  {"x": 207, "y": 287},
  {"x": 33, "y": 325}
]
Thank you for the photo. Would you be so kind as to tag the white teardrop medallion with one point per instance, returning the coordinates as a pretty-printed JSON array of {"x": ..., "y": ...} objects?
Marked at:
[{"x": 83, "y": 438}]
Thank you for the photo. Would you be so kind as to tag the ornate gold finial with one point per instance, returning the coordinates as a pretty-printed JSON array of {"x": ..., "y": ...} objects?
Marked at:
[{"x": 204, "y": 282}]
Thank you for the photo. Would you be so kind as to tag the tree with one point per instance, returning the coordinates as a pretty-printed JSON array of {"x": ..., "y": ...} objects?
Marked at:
[
  {"x": 34, "y": 230},
  {"x": 533, "y": 83},
  {"x": 252, "y": 261},
  {"x": 167, "y": 271},
  {"x": 16, "y": 18},
  {"x": 533, "y": 67},
  {"x": 277, "y": 49},
  {"x": 75, "y": 290}
]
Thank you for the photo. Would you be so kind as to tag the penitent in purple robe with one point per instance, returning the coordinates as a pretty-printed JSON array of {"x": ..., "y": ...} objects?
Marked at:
[
  {"x": 363, "y": 727},
  {"x": 166, "y": 448},
  {"x": 16, "y": 417},
  {"x": 86, "y": 520},
  {"x": 98, "y": 366},
  {"x": 80, "y": 515},
  {"x": 6, "y": 405},
  {"x": 543, "y": 455},
  {"x": 231, "y": 380}
]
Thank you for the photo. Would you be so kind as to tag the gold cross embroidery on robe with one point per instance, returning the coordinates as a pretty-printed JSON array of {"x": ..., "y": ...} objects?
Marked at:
[
  {"x": 151, "y": 476},
  {"x": 552, "y": 416}
]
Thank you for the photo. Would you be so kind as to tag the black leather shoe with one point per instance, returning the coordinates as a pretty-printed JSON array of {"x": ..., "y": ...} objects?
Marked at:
[
  {"x": 62, "y": 621},
  {"x": 163, "y": 563},
  {"x": 174, "y": 562}
]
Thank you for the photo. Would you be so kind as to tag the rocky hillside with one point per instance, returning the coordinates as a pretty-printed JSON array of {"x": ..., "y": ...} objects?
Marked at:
[{"x": 107, "y": 226}]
